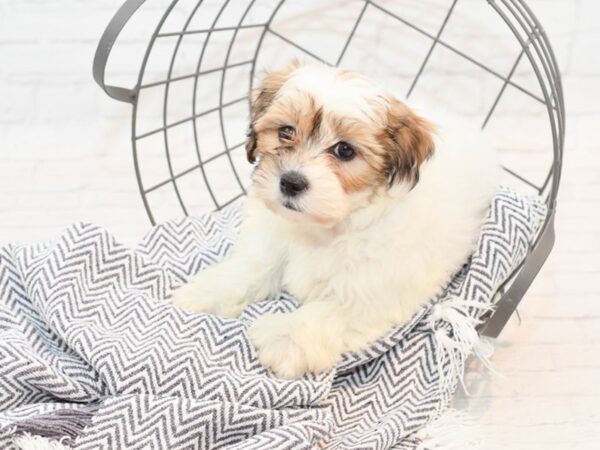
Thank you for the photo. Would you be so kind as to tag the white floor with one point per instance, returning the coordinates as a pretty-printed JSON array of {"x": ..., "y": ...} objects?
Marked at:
[
  {"x": 547, "y": 395},
  {"x": 65, "y": 156}
]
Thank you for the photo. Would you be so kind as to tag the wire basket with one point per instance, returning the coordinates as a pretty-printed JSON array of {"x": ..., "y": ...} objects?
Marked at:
[{"x": 489, "y": 61}]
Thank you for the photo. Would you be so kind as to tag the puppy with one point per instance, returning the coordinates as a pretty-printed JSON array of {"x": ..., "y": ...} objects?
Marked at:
[{"x": 357, "y": 209}]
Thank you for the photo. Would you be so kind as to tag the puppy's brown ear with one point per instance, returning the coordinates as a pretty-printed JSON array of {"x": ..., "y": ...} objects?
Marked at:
[
  {"x": 261, "y": 99},
  {"x": 408, "y": 141}
]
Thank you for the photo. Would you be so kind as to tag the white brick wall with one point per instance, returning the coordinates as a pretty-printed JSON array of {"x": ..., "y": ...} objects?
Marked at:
[
  {"x": 65, "y": 156},
  {"x": 64, "y": 146}
]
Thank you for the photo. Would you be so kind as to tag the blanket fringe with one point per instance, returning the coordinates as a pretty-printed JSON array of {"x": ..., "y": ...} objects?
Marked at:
[
  {"x": 456, "y": 336},
  {"x": 53, "y": 430},
  {"x": 453, "y": 430},
  {"x": 31, "y": 442}
]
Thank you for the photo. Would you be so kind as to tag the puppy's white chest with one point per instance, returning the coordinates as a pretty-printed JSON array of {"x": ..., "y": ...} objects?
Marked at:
[
  {"x": 314, "y": 273},
  {"x": 306, "y": 272}
]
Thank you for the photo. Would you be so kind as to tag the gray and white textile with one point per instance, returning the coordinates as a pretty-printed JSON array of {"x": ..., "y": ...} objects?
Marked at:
[{"x": 91, "y": 351}]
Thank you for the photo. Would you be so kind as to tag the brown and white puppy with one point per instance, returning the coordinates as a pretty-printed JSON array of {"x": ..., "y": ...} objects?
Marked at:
[{"x": 356, "y": 208}]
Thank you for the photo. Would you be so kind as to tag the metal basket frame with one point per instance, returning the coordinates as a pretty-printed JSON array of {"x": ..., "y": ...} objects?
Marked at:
[{"x": 517, "y": 16}]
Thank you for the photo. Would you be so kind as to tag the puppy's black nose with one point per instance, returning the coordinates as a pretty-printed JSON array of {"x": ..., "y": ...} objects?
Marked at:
[{"x": 293, "y": 183}]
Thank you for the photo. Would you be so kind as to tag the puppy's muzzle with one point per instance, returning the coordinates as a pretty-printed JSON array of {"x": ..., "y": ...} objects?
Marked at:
[{"x": 292, "y": 184}]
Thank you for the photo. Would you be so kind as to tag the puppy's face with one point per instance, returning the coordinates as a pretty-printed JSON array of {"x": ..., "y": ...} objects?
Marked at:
[{"x": 328, "y": 141}]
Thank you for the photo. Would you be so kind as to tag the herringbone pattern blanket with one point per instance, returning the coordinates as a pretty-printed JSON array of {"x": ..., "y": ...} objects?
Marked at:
[{"x": 92, "y": 352}]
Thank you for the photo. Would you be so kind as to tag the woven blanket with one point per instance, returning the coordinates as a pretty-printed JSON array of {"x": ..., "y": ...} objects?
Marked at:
[{"x": 92, "y": 353}]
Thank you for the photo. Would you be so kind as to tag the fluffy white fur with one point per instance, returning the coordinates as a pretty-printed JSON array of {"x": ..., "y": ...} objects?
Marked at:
[{"x": 381, "y": 254}]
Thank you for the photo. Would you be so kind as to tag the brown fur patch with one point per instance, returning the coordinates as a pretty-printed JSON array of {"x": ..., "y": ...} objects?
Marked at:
[
  {"x": 316, "y": 121},
  {"x": 408, "y": 140},
  {"x": 367, "y": 168},
  {"x": 354, "y": 175},
  {"x": 300, "y": 111},
  {"x": 262, "y": 97}
]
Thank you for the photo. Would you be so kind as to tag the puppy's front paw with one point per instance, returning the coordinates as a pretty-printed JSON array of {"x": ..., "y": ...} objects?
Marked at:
[
  {"x": 203, "y": 294},
  {"x": 289, "y": 348}
]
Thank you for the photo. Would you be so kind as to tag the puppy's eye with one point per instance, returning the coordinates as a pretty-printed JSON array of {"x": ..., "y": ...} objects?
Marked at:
[
  {"x": 342, "y": 150},
  {"x": 287, "y": 133}
]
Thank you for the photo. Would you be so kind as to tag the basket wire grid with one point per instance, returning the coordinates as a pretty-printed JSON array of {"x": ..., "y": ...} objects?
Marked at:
[{"x": 517, "y": 17}]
